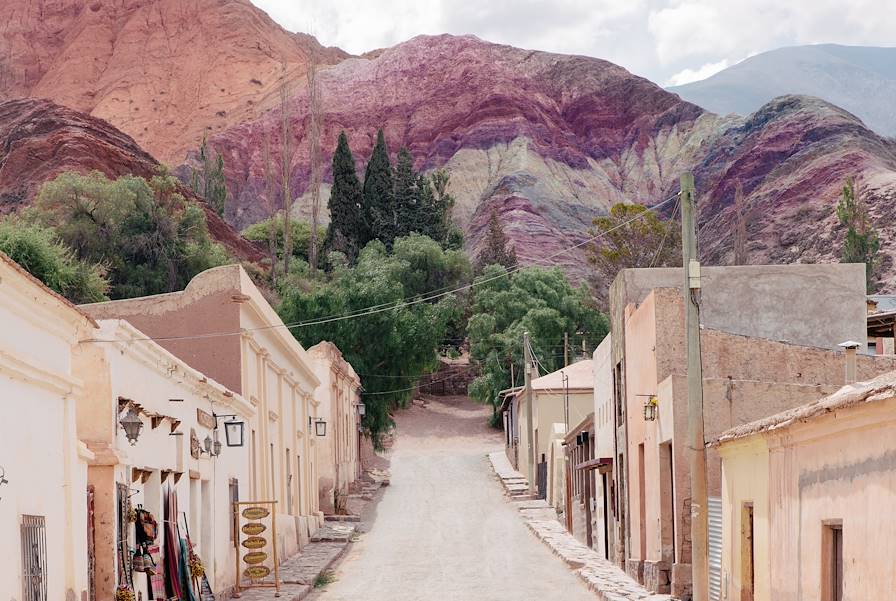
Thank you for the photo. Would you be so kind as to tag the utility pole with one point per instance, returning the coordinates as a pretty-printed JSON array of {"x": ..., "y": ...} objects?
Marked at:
[
  {"x": 565, "y": 349},
  {"x": 527, "y": 354},
  {"x": 696, "y": 442}
]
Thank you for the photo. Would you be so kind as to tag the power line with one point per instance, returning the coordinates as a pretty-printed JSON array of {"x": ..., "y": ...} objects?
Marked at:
[{"x": 372, "y": 310}]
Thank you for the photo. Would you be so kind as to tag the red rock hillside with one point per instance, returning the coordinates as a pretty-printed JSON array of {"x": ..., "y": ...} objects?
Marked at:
[
  {"x": 792, "y": 157},
  {"x": 164, "y": 71},
  {"x": 39, "y": 140},
  {"x": 548, "y": 140}
]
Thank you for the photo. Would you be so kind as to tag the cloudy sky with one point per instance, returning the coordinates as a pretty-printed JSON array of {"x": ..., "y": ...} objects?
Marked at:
[{"x": 668, "y": 41}]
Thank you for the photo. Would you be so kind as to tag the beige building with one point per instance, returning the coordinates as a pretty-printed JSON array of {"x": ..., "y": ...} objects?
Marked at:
[
  {"x": 222, "y": 326},
  {"x": 562, "y": 397},
  {"x": 768, "y": 334},
  {"x": 43, "y": 465},
  {"x": 603, "y": 516},
  {"x": 172, "y": 460},
  {"x": 807, "y": 498},
  {"x": 338, "y": 453}
]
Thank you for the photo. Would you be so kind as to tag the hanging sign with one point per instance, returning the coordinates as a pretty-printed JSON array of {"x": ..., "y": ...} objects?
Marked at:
[
  {"x": 205, "y": 419},
  {"x": 255, "y": 513},
  {"x": 253, "y": 528}
]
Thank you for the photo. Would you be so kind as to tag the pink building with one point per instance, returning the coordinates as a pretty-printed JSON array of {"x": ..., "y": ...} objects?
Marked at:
[
  {"x": 807, "y": 499},
  {"x": 768, "y": 340}
]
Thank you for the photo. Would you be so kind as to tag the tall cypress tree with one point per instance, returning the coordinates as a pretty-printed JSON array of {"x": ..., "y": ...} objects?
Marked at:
[
  {"x": 347, "y": 232},
  {"x": 407, "y": 206},
  {"x": 495, "y": 250},
  {"x": 378, "y": 200}
]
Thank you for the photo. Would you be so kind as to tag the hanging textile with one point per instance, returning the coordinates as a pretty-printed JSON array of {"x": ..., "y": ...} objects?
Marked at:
[
  {"x": 157, "y": 580},
  {"x": 172, "y": 546},
  {"x": 185, "y": 577}
]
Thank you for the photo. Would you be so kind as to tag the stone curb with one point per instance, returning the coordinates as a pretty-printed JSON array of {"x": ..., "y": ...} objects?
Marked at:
[{"x": 607, "y": 581}]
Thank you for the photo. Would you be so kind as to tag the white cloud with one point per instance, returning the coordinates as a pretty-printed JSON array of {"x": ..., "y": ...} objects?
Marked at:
[
  {"x": 690, "y": 75},
  {"x": 664, "y": 40}
]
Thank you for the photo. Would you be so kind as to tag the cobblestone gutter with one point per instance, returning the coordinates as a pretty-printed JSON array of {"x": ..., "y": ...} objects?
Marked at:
[{"x": 605, "y": 580}]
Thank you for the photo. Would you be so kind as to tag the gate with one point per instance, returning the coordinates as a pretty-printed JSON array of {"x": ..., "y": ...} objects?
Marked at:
[
  {"x": 541, "y": 480},
  {"x": 34, "y": 558}
]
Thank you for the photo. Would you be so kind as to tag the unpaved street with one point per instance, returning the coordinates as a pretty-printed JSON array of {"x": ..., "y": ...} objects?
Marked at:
[{"x": 443, "y": 530}]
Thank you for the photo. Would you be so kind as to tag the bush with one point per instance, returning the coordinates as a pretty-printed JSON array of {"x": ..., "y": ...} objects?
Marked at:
[{"x": 38, "y": 250}]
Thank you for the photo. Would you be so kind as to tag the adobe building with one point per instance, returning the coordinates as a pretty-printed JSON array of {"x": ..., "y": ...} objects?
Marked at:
[
  {"x": 562, "y": 397},
  {"x": 222, "y": 326},
  {"x": 338, "y": 395},
  {"x": 744, "y": 378},
  {"x": 749, "y": 314},
  {"x": 178, "y": 452},
  {"x": 807, "y": 499},
  {"x": 43, "y": 465}
]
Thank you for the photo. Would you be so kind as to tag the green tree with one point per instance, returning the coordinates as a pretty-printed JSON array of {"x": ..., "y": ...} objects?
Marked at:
[
  {"x": 535, "y": 300},
  {"x": 392, "y": 347},
  {"x": 208, "y": 181},
  {"x": 632, "y": 235},
  {"x": 435, "y": 210},
  {"x": 346, "y": 233},
  {"x": 861, "y": 243},
  {"x": 377, "y": 207},
  {"x": 300, "y": 235},
  {"x": 151, "y": 239},
  {"x": 495, "y": 249},
  {"x": 406, "y": 211},
  {"x": 38, "y": 250}
]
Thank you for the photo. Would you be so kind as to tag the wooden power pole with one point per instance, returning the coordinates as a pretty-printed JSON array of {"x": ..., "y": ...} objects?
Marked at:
[
  {"x": 527, "y": 354},
  {"x": 565, "y": 349},
  {"x": 696, "y": 443}
]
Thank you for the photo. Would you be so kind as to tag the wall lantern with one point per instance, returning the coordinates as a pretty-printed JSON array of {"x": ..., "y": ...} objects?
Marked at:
[
  {"x": 131, "y": 425},
  {"x": 207, "y": 445},
  {"x": 216, "y": 444},
  {"x": 233, "y": 432},
  {"x": 320, "y": 426},
  {"x": 650, "y": 409},
  {"x": 362, "y": 409}
]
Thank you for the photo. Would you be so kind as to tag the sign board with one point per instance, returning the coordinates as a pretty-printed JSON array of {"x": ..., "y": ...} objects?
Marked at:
[
  {"x": 256, "y": 556},
  {"x": 205, "y": 419}
]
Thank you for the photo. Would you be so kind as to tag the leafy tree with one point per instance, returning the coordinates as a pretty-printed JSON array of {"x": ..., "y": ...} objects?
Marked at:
[
  {"x": 861, "y": 244},
  {"x": 38, "y": 250},
  {"x": 407, "y": 206},
  {"x": 208, "y": 181},
  {"x": 392, "y": 347},
  {"x": 495, "y": 250},
  {"x": 346, "y": 233},
  {"x": 435, "y": 205},
  {"x": 300, "y": 235},
  {"x": 377, "y": 207},
  {"x": 632, "y": 235},
  {"x": 535, "y": 300},
  {"x": 151, "y": 238}
]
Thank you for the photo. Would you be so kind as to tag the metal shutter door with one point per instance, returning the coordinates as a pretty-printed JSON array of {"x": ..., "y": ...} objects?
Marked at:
[{"x": 714, "y": 508}]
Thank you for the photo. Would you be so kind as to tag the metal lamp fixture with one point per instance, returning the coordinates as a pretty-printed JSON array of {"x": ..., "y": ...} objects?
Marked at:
[
  {"x": 650, "y": 409},
  {"x": 320, "y": 426},
  {"x": 131, "y": 425},
  {"x": 216, "y": 443},
  {"x": 362, "y": 409},
  {"x": 234, "y": 432},
  {"x": 207, "y": 445}
]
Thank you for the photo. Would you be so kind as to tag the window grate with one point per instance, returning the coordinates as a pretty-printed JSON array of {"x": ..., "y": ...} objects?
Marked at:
[{"x": 34, "y": 558}]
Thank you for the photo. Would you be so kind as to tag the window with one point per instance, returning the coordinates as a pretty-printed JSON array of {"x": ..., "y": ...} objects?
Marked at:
[
  {"x": 288, "y": 464},
  {"x": 34, "y": 558},
  {"x": 832, "y": 561},
  {"x": 617, "y": 393}
]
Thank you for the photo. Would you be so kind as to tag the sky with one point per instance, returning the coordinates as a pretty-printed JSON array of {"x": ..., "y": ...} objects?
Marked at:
[{"x": 668, "y": 41}]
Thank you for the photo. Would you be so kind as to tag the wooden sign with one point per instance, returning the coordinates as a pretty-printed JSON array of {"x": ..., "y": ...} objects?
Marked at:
[
  {"x": 254, "y": 542},
  {"x": 258, "y": 565},
  {"x": 205, "y": 419},
  {"x": 253, "y": 528},
  {"x": 256, "y": 513},
  {"x": 256, "y": 572}
]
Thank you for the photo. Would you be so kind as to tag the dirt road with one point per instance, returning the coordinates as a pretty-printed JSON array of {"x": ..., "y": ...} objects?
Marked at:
[{"x": 443, "y": 530}]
